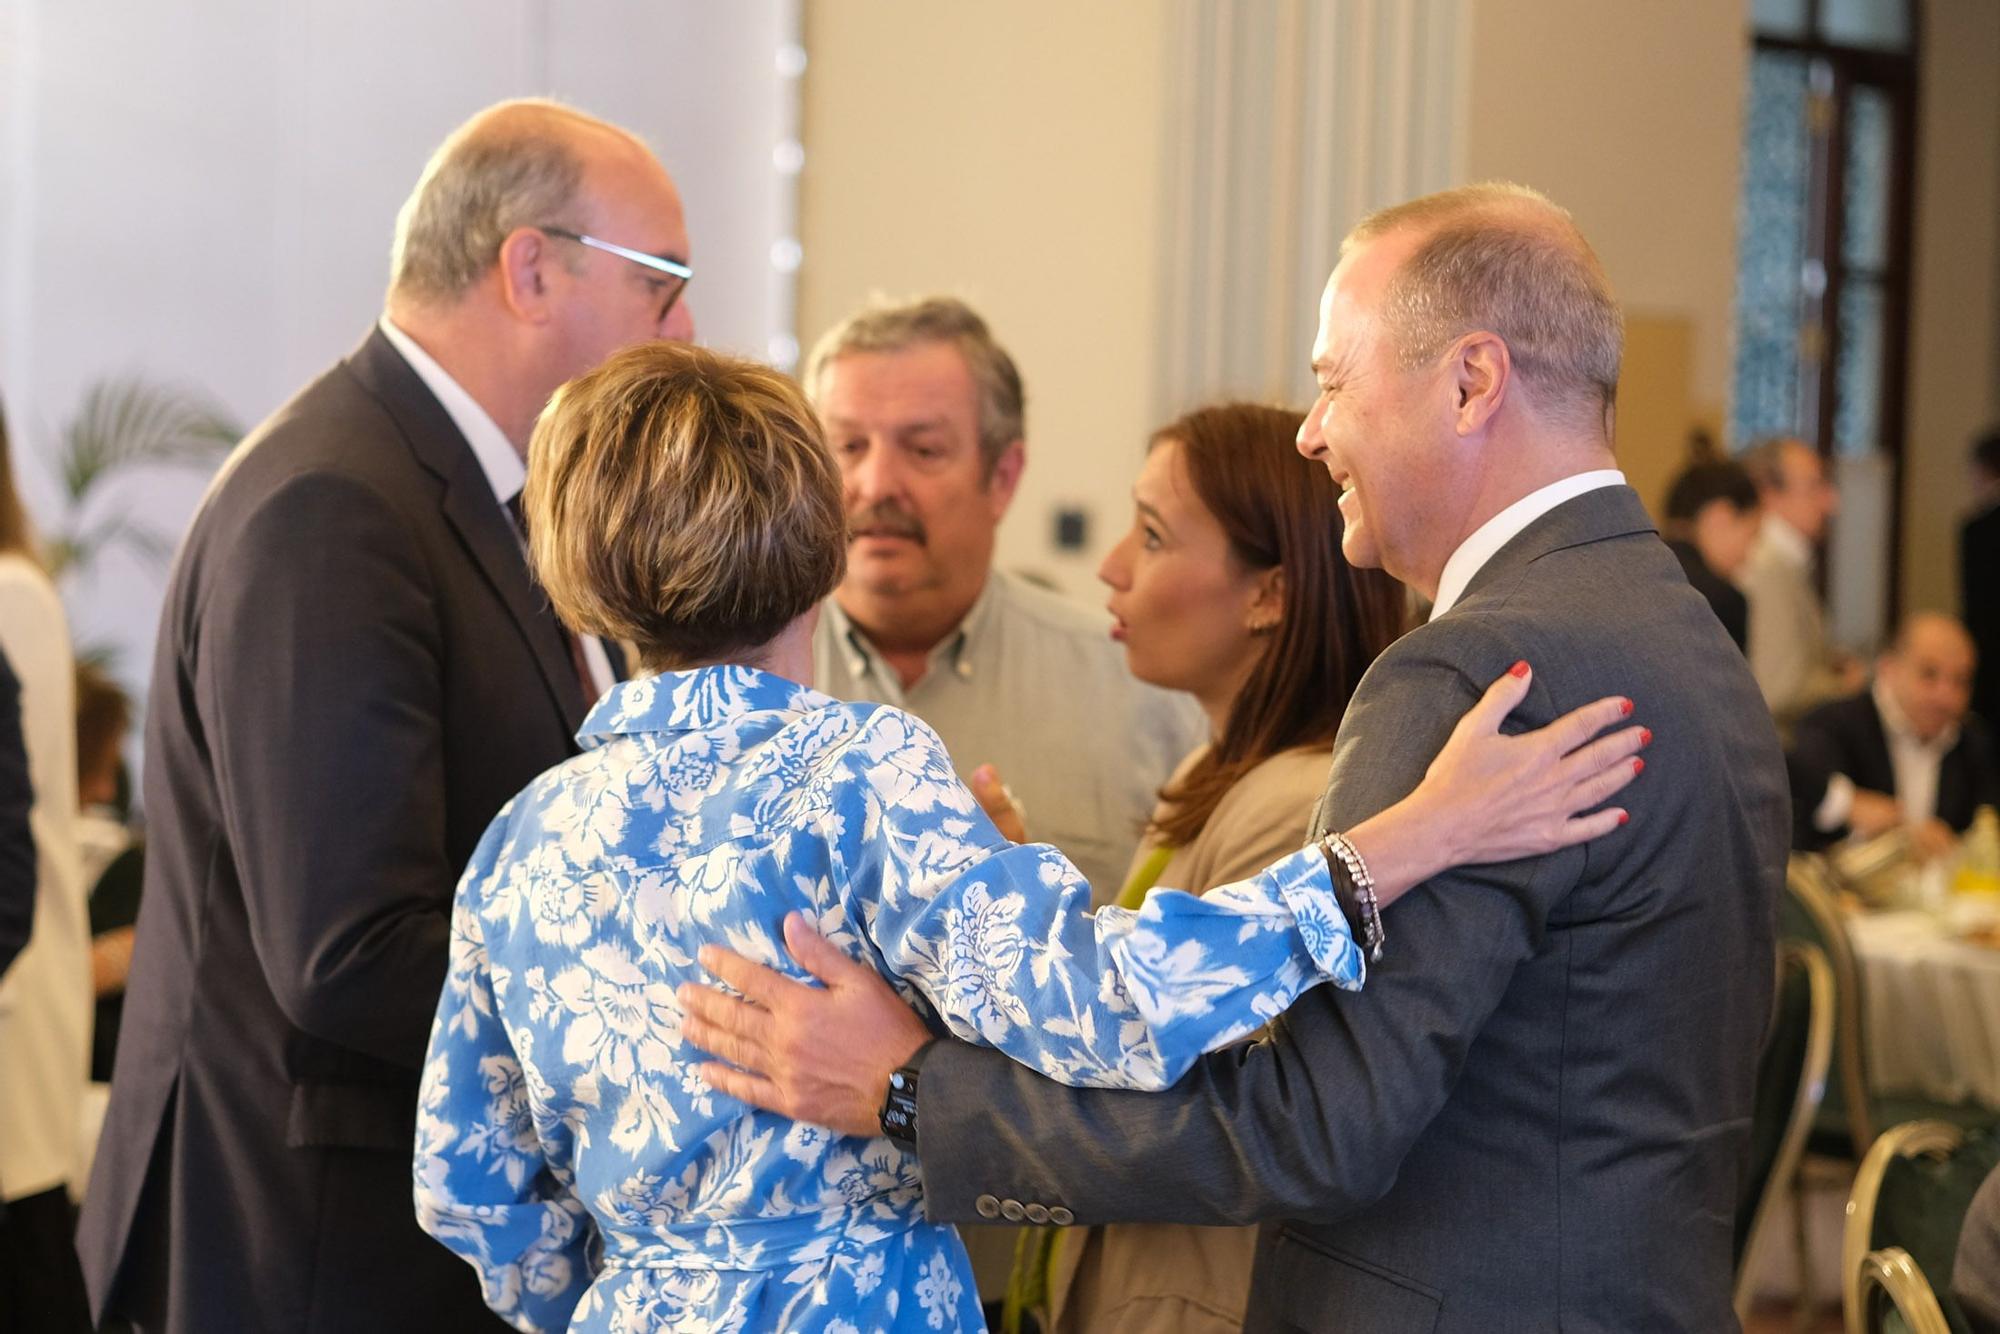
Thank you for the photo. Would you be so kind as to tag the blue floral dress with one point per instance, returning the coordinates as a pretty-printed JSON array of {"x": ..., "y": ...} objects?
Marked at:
[{"x": 568, "y": 1149}]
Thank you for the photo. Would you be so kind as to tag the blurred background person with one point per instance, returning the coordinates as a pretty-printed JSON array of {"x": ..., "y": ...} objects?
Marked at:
[
  {"x": 1712, "y": 519},
  {"x": 1229, "y": 586},
  {"x": 1906, "y": 753},
  {"x": 1795, "y": 665},
  {"x": 1979, "y": 574},
  {"x": 17, "y": 838},
  {"x": 45, "y": 996},
  {"x": 354, "y": 670},
  {"x": 113, "y": 858}
]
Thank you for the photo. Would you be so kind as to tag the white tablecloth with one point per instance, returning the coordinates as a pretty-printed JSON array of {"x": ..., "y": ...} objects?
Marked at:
[{"x": 1933, "y": 1009}]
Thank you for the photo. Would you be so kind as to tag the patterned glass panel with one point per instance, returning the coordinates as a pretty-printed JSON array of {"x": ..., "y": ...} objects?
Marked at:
[
  {"x": 1881, "y": 24},
  {"x": 1770, "y": 249},
  {"x": 1779, "y": 18},
  {"x": 1865, "y": 184},
  {"x": 1857, "y": 415}
]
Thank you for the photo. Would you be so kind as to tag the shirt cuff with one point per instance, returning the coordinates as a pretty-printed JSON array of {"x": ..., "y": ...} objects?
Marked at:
[
  {"x": 1836, "y": 808},
  {"x": 1307, "y": 889}
]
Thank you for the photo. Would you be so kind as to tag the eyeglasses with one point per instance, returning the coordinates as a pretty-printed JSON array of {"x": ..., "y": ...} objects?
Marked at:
[{"x": 678, "y": 274}]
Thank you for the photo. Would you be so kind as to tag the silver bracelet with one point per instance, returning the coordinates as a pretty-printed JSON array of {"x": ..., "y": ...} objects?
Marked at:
[{"x": 1372, "y": 935}]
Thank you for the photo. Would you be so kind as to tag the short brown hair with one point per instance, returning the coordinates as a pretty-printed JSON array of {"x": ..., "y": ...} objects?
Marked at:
[
  {"x": 1506, "y": 259},
  {"x": 1279, "y": 510},
  {"x": 883, "y": 327},
  {"x": 103, "y": 715},
  {"x": 685, "y": 501}
]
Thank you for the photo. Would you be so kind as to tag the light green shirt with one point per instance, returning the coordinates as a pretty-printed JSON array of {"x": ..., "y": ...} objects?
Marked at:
[{"x": 1034, "y": 685}]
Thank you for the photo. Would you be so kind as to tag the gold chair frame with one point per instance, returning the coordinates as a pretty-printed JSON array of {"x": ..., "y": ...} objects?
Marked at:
[
  {"x": 1903, "y": 1286},
  {"x": 1811, "y": 881},
  {"x": 1821, "y": 999},
  {"x": 1938, "y": 1139}
]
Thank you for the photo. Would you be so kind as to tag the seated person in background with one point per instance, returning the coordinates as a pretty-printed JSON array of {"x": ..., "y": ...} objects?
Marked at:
[
  {"x": 1712, "y": 518},
  {"x": 17, "y": 839},
  {"x": 1975, "y": 1271},
  {"x": 567, "y": 1146},
  {"x": 113, "y": 860},
  {"x": 1795, "y": 665},
  {"x": 925, "y": 413},
  {"x": 1907, "y": 752},
  {"x": 1230, "y": 586}
]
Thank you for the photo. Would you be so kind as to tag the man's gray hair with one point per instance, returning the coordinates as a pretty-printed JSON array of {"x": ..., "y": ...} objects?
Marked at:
[
  {"x": 514, "y": 165},
  {"x": 886, "y": 327},
  {"x": 1508, "y": 260}
]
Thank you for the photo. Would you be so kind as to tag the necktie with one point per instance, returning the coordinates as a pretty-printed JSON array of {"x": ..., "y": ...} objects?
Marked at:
[{"x": 571, "y": 639}]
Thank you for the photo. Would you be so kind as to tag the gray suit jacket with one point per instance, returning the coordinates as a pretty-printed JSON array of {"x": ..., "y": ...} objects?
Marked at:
[
  {"x": 354, "y": 673},
  {"x": 1533, "y": 1117}
]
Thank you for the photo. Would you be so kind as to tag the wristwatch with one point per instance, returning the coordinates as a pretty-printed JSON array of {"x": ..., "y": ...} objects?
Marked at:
[{"x": 899, "y": 1106}]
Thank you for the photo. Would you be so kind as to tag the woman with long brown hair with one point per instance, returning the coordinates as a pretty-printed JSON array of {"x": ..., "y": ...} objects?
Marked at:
[
  {"x": 1230, "y": 586},
  {"x": 45, "y": 1000}
]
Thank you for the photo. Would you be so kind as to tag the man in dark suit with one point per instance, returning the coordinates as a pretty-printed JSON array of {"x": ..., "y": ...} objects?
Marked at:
[
  {"x": 17, "y": 840},
  {"x": 355, "y": 671},
  {"x": 1533, "y": 1117},
  {"x": 1979, "y": 574},
  {"x": 1905, "y": 753}
]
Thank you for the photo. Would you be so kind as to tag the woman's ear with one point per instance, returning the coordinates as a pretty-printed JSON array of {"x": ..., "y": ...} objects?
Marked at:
[{"x": 1267, "y": 602}]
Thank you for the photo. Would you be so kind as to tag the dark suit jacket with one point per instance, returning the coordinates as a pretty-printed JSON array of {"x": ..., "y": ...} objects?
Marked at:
[
  {"x": 1731, "y": 607},
  {"x": 1534, "y": 1116},
  {"x": 17, "y": 839},
  {"x": 1979, "y": 596},
  {"x": 1847, "y": 737},
  {"x": 354, "y": 673}
]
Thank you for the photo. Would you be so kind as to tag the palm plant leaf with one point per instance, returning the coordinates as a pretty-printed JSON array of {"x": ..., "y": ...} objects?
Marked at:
[{"x": 129, "y": 422}]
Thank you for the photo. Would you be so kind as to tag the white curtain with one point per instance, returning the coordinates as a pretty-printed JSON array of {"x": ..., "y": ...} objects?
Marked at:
[{"x": 1289, "y": 119}]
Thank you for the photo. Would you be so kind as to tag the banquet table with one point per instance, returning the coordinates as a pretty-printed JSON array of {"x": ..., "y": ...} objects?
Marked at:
[{"x": 1932, "y": 1014}]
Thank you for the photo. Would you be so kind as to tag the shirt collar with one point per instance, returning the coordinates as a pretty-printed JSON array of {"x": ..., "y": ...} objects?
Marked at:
[
  {"x": 505, "y": 472},
  {"x": 693, "y": 701},
  {"x": 1897, "y": 724},
  {"x": 1787, "y": 541},
  {"x": 959, "y": 648},
  {"x": 1504, "y": 527}
]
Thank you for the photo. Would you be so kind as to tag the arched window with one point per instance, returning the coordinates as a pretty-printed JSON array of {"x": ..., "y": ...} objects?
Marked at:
[{"x": 1823, "y": 267}]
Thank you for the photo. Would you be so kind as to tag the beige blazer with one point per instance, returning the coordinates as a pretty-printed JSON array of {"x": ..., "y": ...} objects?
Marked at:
[{"x": 1134, "y": 1278}]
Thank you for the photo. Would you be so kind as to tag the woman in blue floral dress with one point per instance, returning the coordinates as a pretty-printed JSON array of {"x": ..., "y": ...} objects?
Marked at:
[{"x": 567, "y": 1146}]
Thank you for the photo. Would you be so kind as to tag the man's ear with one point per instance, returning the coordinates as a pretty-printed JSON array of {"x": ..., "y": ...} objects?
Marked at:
[
  {"x": 1482, "y": 376},
  {"x": 526, "y": 257},
  {"x": 1006, "y": 477}
]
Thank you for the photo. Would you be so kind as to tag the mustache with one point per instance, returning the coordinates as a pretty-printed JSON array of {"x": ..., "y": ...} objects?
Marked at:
[{"x": 886, "y": 518}]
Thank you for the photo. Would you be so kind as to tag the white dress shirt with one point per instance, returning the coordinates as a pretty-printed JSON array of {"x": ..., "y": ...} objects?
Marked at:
[
  {"x": 1915, "y": 763},
  {"x": 1504, "y": 527},
  {"x": 498, "y": 459}
]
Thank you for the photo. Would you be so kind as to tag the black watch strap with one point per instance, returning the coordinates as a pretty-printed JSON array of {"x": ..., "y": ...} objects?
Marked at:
[{"x": 899, "y": 1106}]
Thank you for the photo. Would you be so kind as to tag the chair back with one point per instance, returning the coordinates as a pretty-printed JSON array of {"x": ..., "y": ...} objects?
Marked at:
[
  {"x": 1911, "y": 1193},
  {"x": 1811, "y": 913},
  {"x": 1791, "y": 1078},
  {"x": 1896, "y": 1298}
]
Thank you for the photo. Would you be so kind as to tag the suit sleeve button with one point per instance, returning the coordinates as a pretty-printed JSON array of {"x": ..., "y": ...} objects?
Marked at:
[
  {"x": 986, "y": 1206},
  {"x": 1061, "y": 1217},
  {"x": 1037, "y": 1214},
  {"x": 1012, "y": 1211}
]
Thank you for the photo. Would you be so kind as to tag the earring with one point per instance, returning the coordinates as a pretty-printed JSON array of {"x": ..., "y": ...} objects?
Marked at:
[{"x": 1263, "y": 627}]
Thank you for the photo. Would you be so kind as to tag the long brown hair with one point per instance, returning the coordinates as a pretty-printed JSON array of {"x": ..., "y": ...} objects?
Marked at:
[
  {"x": 1281, "y": 510},
  {"x": 16, "y": 538}
]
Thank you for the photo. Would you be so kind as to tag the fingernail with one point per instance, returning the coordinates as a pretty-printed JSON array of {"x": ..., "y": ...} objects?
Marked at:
[
  {"x": 1638, "y": 767},
  {"x": 1625, "y": 707},
  {"x": 1519, "y": 669},
  {"x": 1645, "y": 736},
  {"x": 1624, "y": 817}
]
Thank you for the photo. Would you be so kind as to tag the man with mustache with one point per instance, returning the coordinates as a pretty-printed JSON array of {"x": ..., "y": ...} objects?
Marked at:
[{"x": 924, "y": 413}]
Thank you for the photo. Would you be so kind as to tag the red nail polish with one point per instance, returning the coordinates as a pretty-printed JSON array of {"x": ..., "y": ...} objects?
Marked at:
[
  {"x": 1638, "y": 767},
  {"x": 1645, "y": 736},
  {"x": 1519, "y": 669},
  {"x": 1624, "y": 817},
  {"x": 1625, "y": 707}
]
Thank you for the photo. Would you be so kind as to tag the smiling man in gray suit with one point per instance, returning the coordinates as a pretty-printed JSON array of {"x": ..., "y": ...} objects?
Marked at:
[{"x": 1533, "y": 1117}]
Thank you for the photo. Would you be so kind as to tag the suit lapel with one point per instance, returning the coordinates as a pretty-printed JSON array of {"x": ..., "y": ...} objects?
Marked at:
[
  {"x": 1594, "y": 516},
  {"x": 473, "y": 513}
]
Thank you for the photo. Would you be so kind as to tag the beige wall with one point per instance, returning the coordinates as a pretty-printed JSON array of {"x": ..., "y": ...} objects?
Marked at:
[
  {"x": 1631, "y": 116},
  {"x": 1953, "y": 349},
  {"x": 1009, "y": 154}
]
